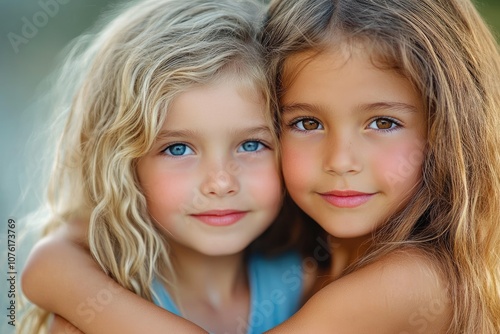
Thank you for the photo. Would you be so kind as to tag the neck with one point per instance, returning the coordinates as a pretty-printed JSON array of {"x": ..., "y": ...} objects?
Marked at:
[
  {"x": 214, "y": 279},
  {"x": 345, "y": 252}
]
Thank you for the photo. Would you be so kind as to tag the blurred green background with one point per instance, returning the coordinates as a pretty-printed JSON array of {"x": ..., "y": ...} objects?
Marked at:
[
  {"x": 27, "y": 55},
  {"x": 490, "y": 9}
]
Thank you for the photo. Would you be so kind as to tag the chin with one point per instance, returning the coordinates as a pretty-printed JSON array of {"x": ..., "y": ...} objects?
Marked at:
[
  {"x": 223, "y": 249},
  {"x": 347, "y": 233}
]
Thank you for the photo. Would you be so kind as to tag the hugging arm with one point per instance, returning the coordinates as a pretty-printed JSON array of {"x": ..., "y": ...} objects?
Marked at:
[
  {"x": 401, "y": 293},
  {"x": 60, "y": 325},
  {"x": 61, "y": 277}
]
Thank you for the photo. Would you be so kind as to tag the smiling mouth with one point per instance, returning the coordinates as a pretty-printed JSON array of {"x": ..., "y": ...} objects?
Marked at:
[
  {"x": 346, "y": 198},
  {"x": 220, "y": 217}
]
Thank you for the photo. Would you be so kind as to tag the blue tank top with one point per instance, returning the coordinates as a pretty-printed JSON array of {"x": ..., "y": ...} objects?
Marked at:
[{"x": 275, "y": 291}]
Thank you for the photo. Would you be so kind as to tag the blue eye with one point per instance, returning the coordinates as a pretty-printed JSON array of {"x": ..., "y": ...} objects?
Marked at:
[
  {"x": 384, "y": 124},
  {"x": 178, "y": 150},
  {"x": 251, "y": 146}
]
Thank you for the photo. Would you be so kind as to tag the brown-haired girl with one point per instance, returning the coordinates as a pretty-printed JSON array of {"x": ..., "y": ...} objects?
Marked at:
[{"x": 389, "y": 113}]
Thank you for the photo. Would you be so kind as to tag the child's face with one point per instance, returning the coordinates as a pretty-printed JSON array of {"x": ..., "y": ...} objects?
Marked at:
[
  {"x": 211, "y": 181},
  {"x": 353, "y": 140}
]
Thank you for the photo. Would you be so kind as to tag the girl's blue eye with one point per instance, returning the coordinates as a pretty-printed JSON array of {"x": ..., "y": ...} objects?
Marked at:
[
  {"x": 251, "y": 146},
  {"x": 383, "y": 124},
  {"x": 178, "y": 150},
  {"x": 307, "y": 124}
]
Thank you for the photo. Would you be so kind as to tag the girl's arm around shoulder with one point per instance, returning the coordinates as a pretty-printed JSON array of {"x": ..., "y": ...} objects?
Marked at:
[
  {"x": 60, "y": 325},
  {"x": 61, "y": 277},
  {"x": 400, "y": 293}
]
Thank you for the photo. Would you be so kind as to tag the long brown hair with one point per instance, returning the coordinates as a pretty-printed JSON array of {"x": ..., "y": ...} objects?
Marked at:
[{"x": 445, "y": 49}]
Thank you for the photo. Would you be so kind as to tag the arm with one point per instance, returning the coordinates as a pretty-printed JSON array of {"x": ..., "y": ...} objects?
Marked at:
[
  {"x": 61, "y": 277},
  {"x": 401, "y": 293},
  {"x": 62, "y": 326}
]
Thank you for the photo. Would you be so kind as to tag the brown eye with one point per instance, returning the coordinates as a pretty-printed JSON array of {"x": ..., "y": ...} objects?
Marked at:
[
  {"x": 308, "y": 124},
  {"x": 383, "y": 124}
]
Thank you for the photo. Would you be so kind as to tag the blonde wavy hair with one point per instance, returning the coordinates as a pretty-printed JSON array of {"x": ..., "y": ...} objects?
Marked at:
[
  {"x": 122, "y": 80},
  {"x": 448, "y": 53}
]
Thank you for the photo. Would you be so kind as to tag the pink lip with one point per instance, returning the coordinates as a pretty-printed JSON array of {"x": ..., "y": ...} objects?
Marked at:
[
  {"x": 220, "y": 217},
  {"x": 346, "y": 198}
]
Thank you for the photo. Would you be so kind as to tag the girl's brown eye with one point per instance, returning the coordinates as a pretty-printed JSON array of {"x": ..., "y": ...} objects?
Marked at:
[
  {"x": 310, "y": 124},
  {"x": 305, "y": 124},
  {"x": 383, "y": 124}
]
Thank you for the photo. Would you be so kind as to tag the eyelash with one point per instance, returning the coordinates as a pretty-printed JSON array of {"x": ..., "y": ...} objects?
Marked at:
[
  {"x": 163, "y": 151},
  {"x": 266, "y": 146},
  {"x": 293, "y": 123},
  {"x": 395, "y": 122},
  {"x": 259, "y": 141}
]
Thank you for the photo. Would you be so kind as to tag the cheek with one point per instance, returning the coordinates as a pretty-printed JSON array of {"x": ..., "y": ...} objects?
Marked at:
[
  {"x": 400, "y": 166},
  {"x": 264, "y": 185},
  {"x": 167, "y": 193},
  {"x": 299, "y": 165}
]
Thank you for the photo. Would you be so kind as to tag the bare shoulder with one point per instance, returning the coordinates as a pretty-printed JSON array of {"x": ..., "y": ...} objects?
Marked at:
[
  {"x": 417, "y": 288},
  {"x": 408, "y": 269},
  {"x": 60, "y": 245},
  {"x": 49, "y": 260},
  {"x": 410, "y": 278},
  {"x": 403, "y": 292}
]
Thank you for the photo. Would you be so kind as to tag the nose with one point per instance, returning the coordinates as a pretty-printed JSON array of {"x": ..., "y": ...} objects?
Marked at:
[
  {"x": 220, "y": 181},
  {"x": 341, "y": 156}
]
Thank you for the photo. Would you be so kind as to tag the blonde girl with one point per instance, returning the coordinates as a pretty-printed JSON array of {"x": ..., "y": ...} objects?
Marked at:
[
  {"x": 390, "y": 117},
  {"x": 166, "y": 171}
]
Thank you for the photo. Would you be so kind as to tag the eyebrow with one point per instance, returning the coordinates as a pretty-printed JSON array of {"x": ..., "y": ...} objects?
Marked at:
[
  {"x": 388, "y": 106},
  {"x": 253, "y": 131},
  {"x": 300, "y": 107},
  {"x": 377, "y": 106},
  {"x": 164, "y": 134}
]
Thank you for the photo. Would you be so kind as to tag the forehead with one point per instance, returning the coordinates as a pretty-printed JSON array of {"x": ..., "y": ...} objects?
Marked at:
[
  {"x": 249, "y": 86},
  {"x": 327, "y": 57},
  {"x": 219, "y": 99},
  {"x": 338, "y": 51},
  {"x": 344, "y": 78}
]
